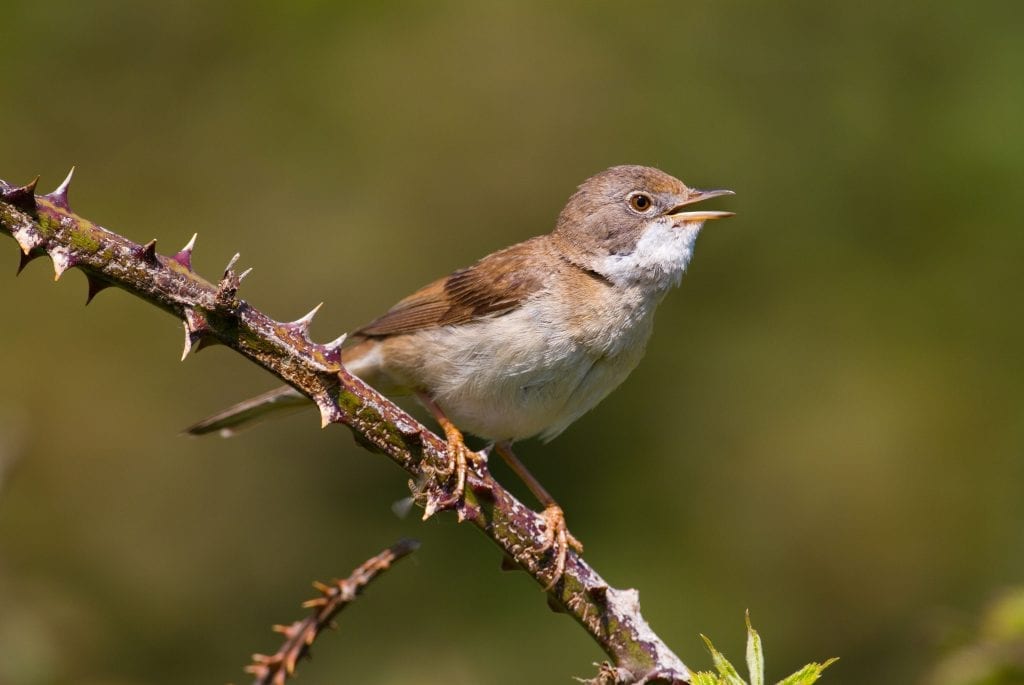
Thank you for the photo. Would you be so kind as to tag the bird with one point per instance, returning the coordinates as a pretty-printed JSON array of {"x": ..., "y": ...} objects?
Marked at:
[{"x": 531, "y": 337}]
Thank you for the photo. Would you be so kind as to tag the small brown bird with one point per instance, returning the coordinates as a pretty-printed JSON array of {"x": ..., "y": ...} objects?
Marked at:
[{"x": 531, "y": 337}]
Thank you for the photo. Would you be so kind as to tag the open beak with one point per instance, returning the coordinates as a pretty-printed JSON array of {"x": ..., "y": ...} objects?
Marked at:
[{"x": 680, "y": 217}]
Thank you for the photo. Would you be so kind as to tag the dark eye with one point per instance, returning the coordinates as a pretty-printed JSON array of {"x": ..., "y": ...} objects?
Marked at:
[{"x": 640, "y": 202}]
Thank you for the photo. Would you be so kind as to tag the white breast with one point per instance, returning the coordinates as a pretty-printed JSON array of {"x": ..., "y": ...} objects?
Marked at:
[{"x": 531, "y": 372}]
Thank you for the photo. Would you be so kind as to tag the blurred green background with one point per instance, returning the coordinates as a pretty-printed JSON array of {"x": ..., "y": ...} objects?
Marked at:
[{"x": 827, "y": 428}]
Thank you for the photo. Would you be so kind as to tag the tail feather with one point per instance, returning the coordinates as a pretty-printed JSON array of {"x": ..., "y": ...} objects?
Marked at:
[{"x": 274, "y": 403}]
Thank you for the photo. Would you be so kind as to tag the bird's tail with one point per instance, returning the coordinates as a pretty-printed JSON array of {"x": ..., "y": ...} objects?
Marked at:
[
  {"x": 277, "y": 402},
  {"x": 360, "y": 359}
]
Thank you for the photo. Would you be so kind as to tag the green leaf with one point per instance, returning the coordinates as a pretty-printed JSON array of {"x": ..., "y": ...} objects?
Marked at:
[
  {"x": 755, "y": 655},
  {"x": 808, "y": 674},
  {"x": 726, "y": 671},
  {"x": 727, "y": 674}
]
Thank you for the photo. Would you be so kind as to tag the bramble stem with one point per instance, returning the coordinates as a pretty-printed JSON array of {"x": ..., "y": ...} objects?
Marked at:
[{"x": 213, "y": 313}]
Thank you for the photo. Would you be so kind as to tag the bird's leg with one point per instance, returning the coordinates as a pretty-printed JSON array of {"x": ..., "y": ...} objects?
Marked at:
[
  {"x": 458, "y": 453},
  {"x": 556, "y": 535}
]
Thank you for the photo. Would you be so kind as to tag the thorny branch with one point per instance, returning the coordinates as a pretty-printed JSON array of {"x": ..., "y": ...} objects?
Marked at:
[
  {"x": 214, "y": 314},
  {"x": 277, "y": 668}
]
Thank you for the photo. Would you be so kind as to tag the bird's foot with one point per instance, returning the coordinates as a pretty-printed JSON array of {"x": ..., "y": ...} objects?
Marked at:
[
  {"x": 459, "y": 460},
  {"x": 557, "y": 540}
]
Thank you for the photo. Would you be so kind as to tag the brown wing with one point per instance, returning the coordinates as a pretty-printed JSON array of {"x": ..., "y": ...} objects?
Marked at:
[{"x": 495, "y": 285}]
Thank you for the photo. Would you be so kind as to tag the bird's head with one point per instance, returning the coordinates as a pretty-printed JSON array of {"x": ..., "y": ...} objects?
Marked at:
[{"x": 634, "y": 225}]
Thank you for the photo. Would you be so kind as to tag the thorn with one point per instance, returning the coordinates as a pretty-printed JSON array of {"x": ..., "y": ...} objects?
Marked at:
[
  {"x": 326, "y": 414},
  {"x": 59, "y": 196},
  {"x": 62, "y": 261},
  {"x": 24, "y": 259},
  {"x": 194, "y": 321},
  {"x": 148, "y": 253},
  {"x": 23, "y": 197},
  {"x": 430, "y": 508},
  {"x": 336, "y": 344},
  {"x": 231, "y": 264},
  {"x": 184, "y": 257},
  {"x": 228, "y": 286},
  {"x": 245, "y": 273},
  {"x": 332, "y": 350},
  {"x": 314, "y": 603},
  {"x": 322, "y": 588},
  {"x": 195, "y": 331},
  {"x": 95, "y": 287},
  {"x": 190, "y": 340},
  {"x": 207, "y": 341},
  {"x": 303, "y": 323},
  {"x": 28, "y": 238}
]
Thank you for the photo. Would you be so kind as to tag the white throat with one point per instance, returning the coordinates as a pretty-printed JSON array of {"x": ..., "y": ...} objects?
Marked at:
[{"x": 659, "y": 260}]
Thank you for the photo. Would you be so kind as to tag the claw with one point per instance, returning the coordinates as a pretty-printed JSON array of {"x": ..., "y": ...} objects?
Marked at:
[
  {"x": 558, "y": 540},
  {"x": 456, "y": 466}
]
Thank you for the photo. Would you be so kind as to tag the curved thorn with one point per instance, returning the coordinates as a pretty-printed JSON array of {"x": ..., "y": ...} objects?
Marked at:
[
  {"x": 28, "y": 239},
  {"x": 95, "y": 287},
  {"x": 24, "y": 259},
  {"x": 194, "y": 321},
  {"x": 23, "y": 197},
  {"x": 326, "y": 412},
  {"x": 184, "y": 256},
  {"x": 59, "y": 196},
  {"x": 189, "y": 341},
  {"x": 62, "y": 261},
  {"x": 148, "y": 253},
  {"x": 337, "y": 342},
  {"x": 231, "y": 264},
  {"x": 303, "y": 323},
  {"x": 195, "y": 329},
  {"x": 205, "y": 341}
]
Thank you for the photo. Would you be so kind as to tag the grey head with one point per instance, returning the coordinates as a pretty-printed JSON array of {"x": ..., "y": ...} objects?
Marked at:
[{"x": 632, "y": 225}]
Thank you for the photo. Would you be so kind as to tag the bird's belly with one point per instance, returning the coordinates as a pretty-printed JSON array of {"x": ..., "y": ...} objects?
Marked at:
[{"x": 512, "y": 378}]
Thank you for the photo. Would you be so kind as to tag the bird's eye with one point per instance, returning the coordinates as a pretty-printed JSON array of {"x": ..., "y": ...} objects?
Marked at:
[{"x": 640, "y": 202}]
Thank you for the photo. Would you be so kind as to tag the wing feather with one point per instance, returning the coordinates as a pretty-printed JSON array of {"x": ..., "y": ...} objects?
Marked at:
[{"x": 495, "y": 285}]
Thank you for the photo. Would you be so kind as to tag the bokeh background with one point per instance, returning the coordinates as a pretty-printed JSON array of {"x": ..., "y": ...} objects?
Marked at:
[{"x": 827, "y": 428}]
